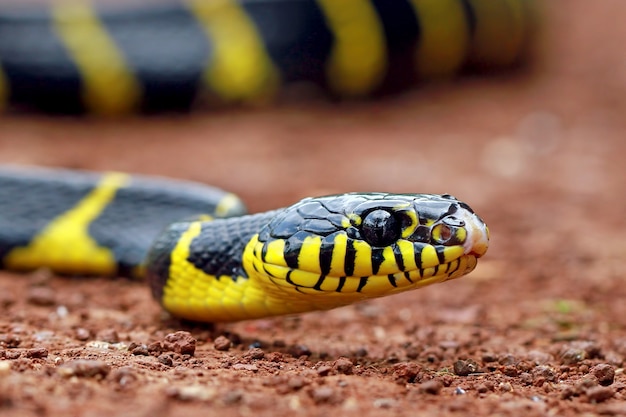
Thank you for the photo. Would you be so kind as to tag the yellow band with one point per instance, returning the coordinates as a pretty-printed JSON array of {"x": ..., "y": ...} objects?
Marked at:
[
  {"x": 501, "y": 31},
  {"x": 65, "y": 243},
  {"x": 359, "y": 56},
  {"x": 444, "y": 37},
  {"x": 109, "y": 86},
  {"x": 240, "y": 68}
]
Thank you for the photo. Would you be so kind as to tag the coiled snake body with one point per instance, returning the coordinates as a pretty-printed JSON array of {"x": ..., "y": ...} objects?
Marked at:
[{"x": 319, "y": 253}]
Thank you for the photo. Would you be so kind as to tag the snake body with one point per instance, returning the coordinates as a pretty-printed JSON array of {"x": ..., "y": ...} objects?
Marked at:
[
  {"x": 74, "y": 57},
  {"x": 319, "y": 253}
]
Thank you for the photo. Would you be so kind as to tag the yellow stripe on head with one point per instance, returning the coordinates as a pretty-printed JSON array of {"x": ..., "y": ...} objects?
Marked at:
[
  {"x": 309, "y": 257},
  {"x": 444, "y": 40},
  {"x": 429, "y": 257},
  {"x": 388, "y": 265},
  {"x": 109, "y": 86},
  {"x": 358, "y": 60},
  {"x": 362, "y": 259},
  {"x": 338, "y": 260},
  {"x": 451, "y": 253},
  {"x": 275, "y": 253},
  {"x": 240, "y": 68},
  {"x": 408, "y": 254}
]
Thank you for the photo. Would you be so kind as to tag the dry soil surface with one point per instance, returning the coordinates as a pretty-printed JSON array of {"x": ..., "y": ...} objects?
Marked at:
[{"x": 538, "y": 329}]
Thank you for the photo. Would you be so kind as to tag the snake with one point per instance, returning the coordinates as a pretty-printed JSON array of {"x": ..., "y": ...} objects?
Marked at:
[
  {"x": 202, "y": 256},
  {"x": 76, "y": 57},
  {"x": 205, "y": 260}
]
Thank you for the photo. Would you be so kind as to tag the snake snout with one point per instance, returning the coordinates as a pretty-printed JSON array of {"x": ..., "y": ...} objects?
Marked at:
[{"x": 477, "y": 241}]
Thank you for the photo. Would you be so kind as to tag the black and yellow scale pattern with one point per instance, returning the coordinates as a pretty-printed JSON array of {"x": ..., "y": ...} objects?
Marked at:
[
  {"x": 319, "y": 253},
  {"x": 74, "y": 57},
  {"x": 84, "y": 223}
]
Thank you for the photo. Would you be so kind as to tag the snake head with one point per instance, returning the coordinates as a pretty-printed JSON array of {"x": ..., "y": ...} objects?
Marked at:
[{"x": 357, "y": 246}]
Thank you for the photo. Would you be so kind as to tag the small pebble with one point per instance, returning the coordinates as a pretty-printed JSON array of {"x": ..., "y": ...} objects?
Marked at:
[
  {"x": 82, "y": 334},
  {"x": 506, "y": 387},
  {"x": 12, "y": 354},
  {"x": 10, "y": 340},
  {"x": 605, "y": 373},
  {"x": 432, "y": 387},
  {"x": 526, "y": 378},
  {"x": 510, "y": 370},
  {"x": 180, "y": 342},
  {"x": 222, "y": 343},
  {"x": 572, "y": 356},
  {"x": 84, "y": 368},
  {"x": 406, "y": 372},
  {"x": 343, "y": 366},
  {"x": 156, "y": 348},
  {"x": 165, "y": 359},
  {"x": 384, "y": 403},
  {"x": 36, "y": 353},
  {"x": 485, "y": 387},
  {"x": 545, "y": 372},
  {"x": 41, "y": 296},
  {"x": 139, "y": 350},
  {"x": 599, "y": 394},
  {"x": 257, "y": 344},
  {"x": 508, "y": 359},
  {"x": 299, "y": 350},
  {"x": 465, "y": 367},
  {"x": 254, "y": 354},
  {"x": 324, "y": 370},
  {"x": 323, "y": 395}
]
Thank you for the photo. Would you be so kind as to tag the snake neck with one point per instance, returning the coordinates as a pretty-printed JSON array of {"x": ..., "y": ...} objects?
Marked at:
[
  {"x": 201, "y": 270},
  {"x": 201, "y": 261}
]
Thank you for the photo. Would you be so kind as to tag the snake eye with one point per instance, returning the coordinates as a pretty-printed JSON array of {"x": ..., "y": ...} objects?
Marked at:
[{"x": 380, "y": 228}]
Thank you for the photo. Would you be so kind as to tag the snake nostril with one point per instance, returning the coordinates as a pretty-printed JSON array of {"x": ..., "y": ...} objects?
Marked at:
[{"x": 441, "y": 233}]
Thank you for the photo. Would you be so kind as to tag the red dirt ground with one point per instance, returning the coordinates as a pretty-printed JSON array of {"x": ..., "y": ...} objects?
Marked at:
[{"x": 538, "y": 329}]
